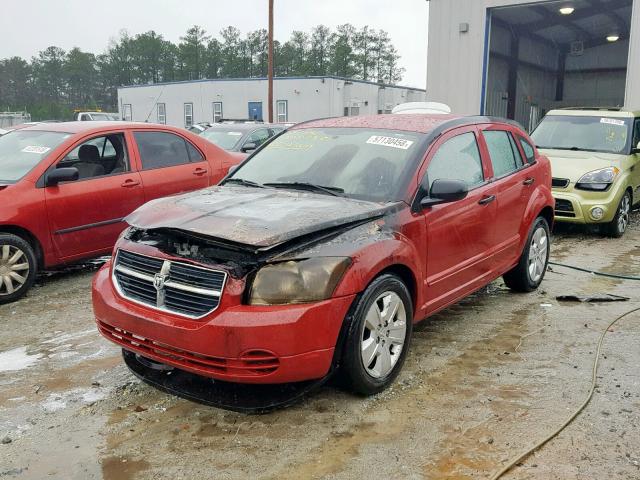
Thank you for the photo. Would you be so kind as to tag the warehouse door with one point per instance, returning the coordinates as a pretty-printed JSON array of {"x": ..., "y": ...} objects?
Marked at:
[
  {"x": 556, "y": 54},
  {"x": 255, "y": 111}
]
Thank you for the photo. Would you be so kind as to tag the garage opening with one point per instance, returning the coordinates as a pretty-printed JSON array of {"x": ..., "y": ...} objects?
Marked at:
[{"x": 556, "y": 54}]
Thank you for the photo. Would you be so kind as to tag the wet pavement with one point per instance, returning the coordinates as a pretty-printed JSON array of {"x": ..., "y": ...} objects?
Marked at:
[{"x": 484, "y": 380}]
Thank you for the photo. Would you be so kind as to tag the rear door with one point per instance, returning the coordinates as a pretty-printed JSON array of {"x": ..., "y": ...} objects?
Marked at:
[
  {"x": 459, "y": 234},
  {"x": 170, "y": 164},
  {"x": 86, "y": 215},
  {"x": 514, "y": 182}
]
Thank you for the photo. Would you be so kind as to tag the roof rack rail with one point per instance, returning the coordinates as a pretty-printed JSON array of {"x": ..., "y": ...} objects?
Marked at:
[
  {"x": 599, "y": 109},
  {"x": 239, "y": 120}
]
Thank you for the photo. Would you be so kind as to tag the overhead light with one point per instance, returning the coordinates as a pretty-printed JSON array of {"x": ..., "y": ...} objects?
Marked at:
[
  {"x": 613, "y": 38},
  {"x": 567, "y": 10}
]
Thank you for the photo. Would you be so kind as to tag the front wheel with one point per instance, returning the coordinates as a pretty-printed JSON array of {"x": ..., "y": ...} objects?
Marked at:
[
  {"x": 378, "y": 337},
  {"x": 620, "y": 222},
  {"x": 17, "y": 267},
  {"x": 528, "y": 274}
]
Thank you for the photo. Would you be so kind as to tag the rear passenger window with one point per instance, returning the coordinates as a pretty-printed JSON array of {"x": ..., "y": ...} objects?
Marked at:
[
  {"x": 194, "y": 153},
  {"x": 457, "y": 159},
  {"x": 528, "y": 150},
  {"x": 505, "y": 156},
  {"x": 161, "y": 149}
]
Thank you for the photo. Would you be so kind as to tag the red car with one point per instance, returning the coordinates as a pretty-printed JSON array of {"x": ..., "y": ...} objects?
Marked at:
[
  {"x": 65, "y": 188},
  {"x": 319, "y": 252}
]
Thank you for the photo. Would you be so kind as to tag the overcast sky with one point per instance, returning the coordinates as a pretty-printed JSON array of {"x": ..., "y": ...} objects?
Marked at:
[{"x": 29, "y": 26}]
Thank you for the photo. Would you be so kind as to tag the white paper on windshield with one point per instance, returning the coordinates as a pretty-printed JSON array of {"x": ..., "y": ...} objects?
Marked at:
[
  {"x": 393, "y": 142},
  {"x": 35, "y": 149},
  {"x": 235, "y": 134},
  {"x": 612, "y": 121}
]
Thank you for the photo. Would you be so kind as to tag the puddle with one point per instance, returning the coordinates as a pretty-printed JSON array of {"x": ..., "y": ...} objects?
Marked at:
[{"x": 17, "y": 359}]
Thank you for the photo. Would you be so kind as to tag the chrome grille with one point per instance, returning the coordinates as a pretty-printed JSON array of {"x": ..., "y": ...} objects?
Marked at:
[
  {"x": 559, "y": 182},
  {"x": 166, "y": 285}
]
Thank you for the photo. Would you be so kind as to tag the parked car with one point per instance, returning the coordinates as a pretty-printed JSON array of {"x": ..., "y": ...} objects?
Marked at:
[
  {"x": 320, "y": 251},
  {"x": 66, "y": 187},
  {"x": 198, "y": 128},
  {"x": 2, "y": 131},
  {"x": 95, "y": 116},
  {"x": 595, "y": 156},
  {"x": 241, "y": 137}
]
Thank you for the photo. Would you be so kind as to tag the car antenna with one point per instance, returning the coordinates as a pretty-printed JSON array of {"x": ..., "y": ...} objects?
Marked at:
[{"x": 155, "y": 103}]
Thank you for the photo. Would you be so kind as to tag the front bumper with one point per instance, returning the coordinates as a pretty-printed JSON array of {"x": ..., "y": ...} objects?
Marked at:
[
  {"x": 238, "y": 343},
  {"x": 574, "y": 206}
]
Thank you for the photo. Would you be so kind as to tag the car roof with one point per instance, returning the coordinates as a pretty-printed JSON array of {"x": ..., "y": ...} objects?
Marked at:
[
  {"x": 243, "y": 127},
  {"x": 419, "y": 123},
  {"x": 82, "y": 127},
  {"x": 595, "y": 112}
]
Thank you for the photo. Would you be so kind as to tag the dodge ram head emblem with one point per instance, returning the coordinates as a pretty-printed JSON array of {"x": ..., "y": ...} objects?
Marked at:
[{"x": 159, "y": 281}]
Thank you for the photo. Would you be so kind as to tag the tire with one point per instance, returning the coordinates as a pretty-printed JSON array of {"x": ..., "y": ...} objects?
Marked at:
[
  {"x": 528, "y": 274},
  {"x": 620, "y": 222},
  {"x": 368, "y": 336},
  {"x": 18, "y": 267}
]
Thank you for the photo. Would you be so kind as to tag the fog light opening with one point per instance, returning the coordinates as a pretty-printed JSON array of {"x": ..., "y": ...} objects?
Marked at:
[{"x": 597, "y": 213}]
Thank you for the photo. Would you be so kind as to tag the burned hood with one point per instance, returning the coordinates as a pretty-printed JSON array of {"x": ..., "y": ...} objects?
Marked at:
[{"x": 258, "y": 217}]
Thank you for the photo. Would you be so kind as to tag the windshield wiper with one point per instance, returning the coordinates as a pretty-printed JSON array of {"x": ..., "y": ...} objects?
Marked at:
[
  {"x": 335, "y": 191},
  {"x": 242, "y": 181},
  {"x": 573, "y": 149}
]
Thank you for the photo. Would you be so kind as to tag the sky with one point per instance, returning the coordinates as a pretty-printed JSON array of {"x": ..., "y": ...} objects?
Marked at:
[{"x": 33, "y": 25}]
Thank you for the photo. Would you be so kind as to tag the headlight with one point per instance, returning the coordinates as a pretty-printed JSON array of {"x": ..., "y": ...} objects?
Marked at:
[
  {"x": 297, "y": 281},
  {"x": 598, "y": 179}
]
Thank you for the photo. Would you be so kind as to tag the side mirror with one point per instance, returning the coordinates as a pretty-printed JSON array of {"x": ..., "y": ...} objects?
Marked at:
[
  {"x": 248, "y": 147},
  {"x": 635, "y": 151},
  {"x": 67, "y": 174},
  {"x": 445, "y": 191}
]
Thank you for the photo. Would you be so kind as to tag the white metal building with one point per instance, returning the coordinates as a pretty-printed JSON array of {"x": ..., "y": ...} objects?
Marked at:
[
  {"x": 295, "y": 99},
  {"x": 520, "y": 58}
]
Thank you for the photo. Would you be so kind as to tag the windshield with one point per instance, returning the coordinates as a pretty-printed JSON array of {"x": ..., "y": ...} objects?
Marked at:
[
  {"x": 20, "y": 151},
  {"x": 360, "y": 163},
  {"x": 103, "y": 116},
  {"x": 593, "y": 134},
  {"x": 224, "y": 138}
]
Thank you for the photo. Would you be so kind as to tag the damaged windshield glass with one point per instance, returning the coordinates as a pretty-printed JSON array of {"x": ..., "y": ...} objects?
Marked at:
[{"x": 361, "y": 163}]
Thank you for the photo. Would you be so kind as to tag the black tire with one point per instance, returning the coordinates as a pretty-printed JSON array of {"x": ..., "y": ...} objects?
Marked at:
[
  {"x": 519, "y": 278},
  {"x": 354, "y": 375},
  {"x": 620, "y": 222},
  {"x": 10, "y": 246}
]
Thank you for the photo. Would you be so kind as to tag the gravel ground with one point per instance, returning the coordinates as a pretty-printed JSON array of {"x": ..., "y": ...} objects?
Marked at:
[{"x": 484, "y": 380}]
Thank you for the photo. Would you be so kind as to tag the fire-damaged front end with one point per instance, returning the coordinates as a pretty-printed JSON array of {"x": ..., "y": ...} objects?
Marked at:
[{"x": 242, "y": 284}]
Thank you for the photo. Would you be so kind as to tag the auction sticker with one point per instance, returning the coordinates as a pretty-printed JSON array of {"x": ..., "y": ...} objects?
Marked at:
[
  {"x": 35, "y": 149},
  {"x": 393, "y": 142},
  {"x": 612, "y": 121},
  {"x": 235, "y": 134}
]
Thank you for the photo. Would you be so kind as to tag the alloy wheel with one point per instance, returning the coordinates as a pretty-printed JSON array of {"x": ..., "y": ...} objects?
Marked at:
[
  {"x": 538, "y": 254},
  {"x": 14, "y": 269},
  {"x": 383, "y": 335},
  {"x": 623, "y": 213}
]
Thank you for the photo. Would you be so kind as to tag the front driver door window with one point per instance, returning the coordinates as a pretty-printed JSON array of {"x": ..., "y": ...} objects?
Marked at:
[
  {"x": 459, "y": 234},
  {"x": 258, "y": 137},
  {"x": 86, "y": 215}
]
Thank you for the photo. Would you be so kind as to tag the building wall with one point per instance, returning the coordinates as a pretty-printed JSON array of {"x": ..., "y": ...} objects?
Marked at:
[
  {"x": 307, "y": 98},
  {"x": 455, "y": 60}
]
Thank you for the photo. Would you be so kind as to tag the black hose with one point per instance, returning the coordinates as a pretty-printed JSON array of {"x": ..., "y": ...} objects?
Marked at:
[{"x": 601, "y": 274}]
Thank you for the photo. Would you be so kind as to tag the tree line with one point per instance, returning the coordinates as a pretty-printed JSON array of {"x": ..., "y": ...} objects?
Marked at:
[{"x": 55, "y": 82}]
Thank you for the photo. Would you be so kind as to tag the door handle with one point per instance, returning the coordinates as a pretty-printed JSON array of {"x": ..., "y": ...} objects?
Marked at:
[
  {"x": 200, "y": 171},
  {"x": 128, "y": 183},
  {"x": 529, "y": 181},
  {"x": 487, "y": 199}
]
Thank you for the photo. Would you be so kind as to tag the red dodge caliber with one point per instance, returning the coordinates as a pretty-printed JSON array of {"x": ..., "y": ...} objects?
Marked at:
[
  {"x": 65, "y": 188},
  {"x": 322, "y": 249}
]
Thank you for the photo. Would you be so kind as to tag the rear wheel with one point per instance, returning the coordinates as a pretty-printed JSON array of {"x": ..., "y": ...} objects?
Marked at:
[
  {"x": 379, "y": 336},
  {"x": 528, "y": 274},
  {"x": 620, "y": 222},
  {"x": 17, "y": 267}
]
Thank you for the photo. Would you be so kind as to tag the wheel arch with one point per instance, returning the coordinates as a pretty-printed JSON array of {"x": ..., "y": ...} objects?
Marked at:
[{"x": 29, "y": 237}]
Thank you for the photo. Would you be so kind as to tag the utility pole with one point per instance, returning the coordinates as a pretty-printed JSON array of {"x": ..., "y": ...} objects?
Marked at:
[{"x": 270, "y": 68}]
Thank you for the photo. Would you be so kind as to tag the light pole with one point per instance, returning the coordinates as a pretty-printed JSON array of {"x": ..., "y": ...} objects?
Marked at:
[{"x": 270, "y": 67}]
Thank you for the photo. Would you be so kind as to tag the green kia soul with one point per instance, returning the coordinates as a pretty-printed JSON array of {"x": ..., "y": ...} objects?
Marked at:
[{"x": 595, "y": 157}]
